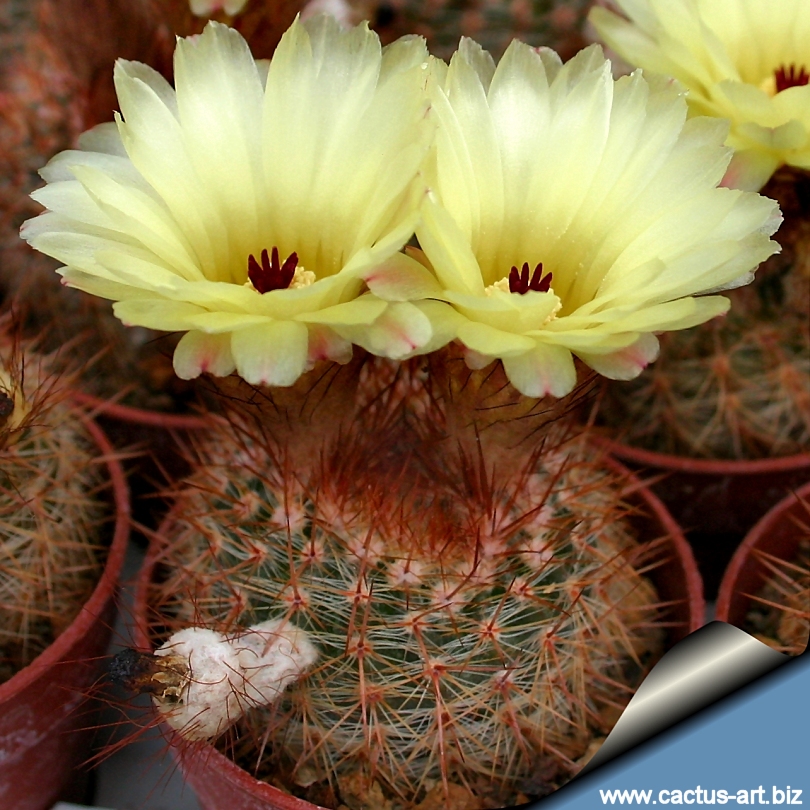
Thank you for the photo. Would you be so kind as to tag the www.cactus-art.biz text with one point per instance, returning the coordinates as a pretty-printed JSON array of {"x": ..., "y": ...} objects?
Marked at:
[{"x": 701, "y": 795}]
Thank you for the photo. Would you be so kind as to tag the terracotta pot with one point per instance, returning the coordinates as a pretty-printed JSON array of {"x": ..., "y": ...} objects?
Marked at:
[
  {"x": 219, "y": 783},
  {"x": 776, "y": 534},
  {"x": 45, "y": 730}
]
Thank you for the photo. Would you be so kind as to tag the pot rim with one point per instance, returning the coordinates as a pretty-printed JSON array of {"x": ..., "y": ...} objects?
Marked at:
[
  {"x": 107, "y": 582},
  {"x": 278, "y": 799},
  {"x": 693, "y": 582},
  {"x": 140, "y": 416},
  {"x": 702, "y": 466},
  {"x": 760, "y": 534}
]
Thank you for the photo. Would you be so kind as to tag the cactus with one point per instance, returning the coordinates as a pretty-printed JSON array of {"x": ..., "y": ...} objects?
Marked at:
[
  {"x": 56, "y": 76},
  {"x": 51, "y": 509},
  {"x": 780, "y": 614},
  {"x": 477, "y": 615},
  {"x": 737, "y": 387},
  {"x": 492, "y": 23},
  {"x": 734, "y": 388}
]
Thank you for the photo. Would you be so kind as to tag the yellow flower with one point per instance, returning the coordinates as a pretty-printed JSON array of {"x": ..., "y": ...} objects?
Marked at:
[
  {"x": 744, "y": 60},
  {"x": 574, "y": 214},
  {"x": 261, "y": 213}
]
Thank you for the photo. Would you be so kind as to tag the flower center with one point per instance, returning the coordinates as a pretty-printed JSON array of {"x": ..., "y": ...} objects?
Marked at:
[
  {"x": 271, "y": 274},
  {"x": 519, "y": 282},
  {"x": 790, "y": 76}
]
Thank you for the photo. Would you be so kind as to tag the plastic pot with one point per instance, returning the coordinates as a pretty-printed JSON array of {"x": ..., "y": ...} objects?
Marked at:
[
  {"x": 219, "y": 783},
  {"x": 127, "y": 415},
  {"x": 45, "y": 731},
  {"x": 778, "y": 535},
  {"x": 716, "y": 495},
  {"x": 153, "y": 442},
  {"x": 715, "y": 501}
]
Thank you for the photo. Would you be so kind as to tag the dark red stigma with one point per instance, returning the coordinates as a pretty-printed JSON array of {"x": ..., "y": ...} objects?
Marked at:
[
  {"x": 519, "y": 281},
  {"x": 790, "y": 77},
  {"x": 270, "y": 274}
]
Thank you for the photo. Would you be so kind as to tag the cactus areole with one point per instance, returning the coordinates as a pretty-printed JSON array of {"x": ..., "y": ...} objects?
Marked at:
[{"x": 405, "y": 610}]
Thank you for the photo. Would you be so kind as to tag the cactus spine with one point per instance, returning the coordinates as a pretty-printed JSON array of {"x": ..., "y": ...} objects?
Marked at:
[
  {"x": 737, "y": 387},
  {"x": 492, "y": 23},
  {"x": 51, "y": 508},
  {"x": 780, "y": 615},
  {"x": 477, "y": 622}
]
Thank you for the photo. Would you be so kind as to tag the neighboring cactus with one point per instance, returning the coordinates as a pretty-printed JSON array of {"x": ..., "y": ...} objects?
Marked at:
[
  {"x": 56, "y": 80},
  {"x": 556, "y": 24},
  {"x": 51, "y": 509},
  {"x": 733, "y": 388},
  {"x": 780, "y": 613},
  {"x": 476, "y": 614},
  {"x": 737, "y": 387}
]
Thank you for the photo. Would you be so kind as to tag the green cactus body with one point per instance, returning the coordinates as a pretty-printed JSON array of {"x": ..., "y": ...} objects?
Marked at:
[
  {"x": 51, "y": 508},
  {"x": 737, "y": 387},
  {"x": 476, "y": 626}
]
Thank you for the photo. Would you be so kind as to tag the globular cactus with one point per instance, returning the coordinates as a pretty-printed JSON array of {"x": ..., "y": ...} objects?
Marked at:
[
  {"x": 780, "y": 613},
  {"x": 493, "y": 23},
  {"x": 477, "y": 617},
  {"x": 737, "y": 387},
  {"x": 51, "y": 509},
  {"x": 733, "y": 388}
]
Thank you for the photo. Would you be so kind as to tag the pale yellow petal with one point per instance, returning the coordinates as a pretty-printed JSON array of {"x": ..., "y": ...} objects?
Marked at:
[
  {"x": 508, "y": 312},
  {"x": 154, "y": 141},
  {"x": 444, "y": 324},
  {"x": 485, "y": 339},
  {"x": 326, "y": 344},
  {"x": 273, "y": 353},
  {"x": 136, "y": 214},
  {"x": 359, "y": 312},
  {"x": 750, "y": 169},
  {"x": 627, "y": 363},
  {"x": 198, "y": 352},
  {"x": 401, "y": 331},
  {"x": 541, "y": 371},
  {"x": 727, "y": 53},
  {"x": 402, "y": 278},
  {"x": 449, "y": 252},
  {"x": 219, "y": 99},
  {"x": 364, "y": 139},
  {"x": 104, "y": 138},
  {"x": 170, "y": 315}
]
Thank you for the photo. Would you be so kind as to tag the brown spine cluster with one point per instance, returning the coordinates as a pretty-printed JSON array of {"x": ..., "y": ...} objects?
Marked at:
[{"x": 477, "y": 613}]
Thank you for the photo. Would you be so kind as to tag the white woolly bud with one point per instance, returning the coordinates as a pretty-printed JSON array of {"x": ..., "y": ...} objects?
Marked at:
[
  {"x": 212, "y": 680},
  {"x": 273, "y": 655}
]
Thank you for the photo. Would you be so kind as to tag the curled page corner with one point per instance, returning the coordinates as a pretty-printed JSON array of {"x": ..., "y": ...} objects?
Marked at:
[{"x": 699, "y": 670}]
